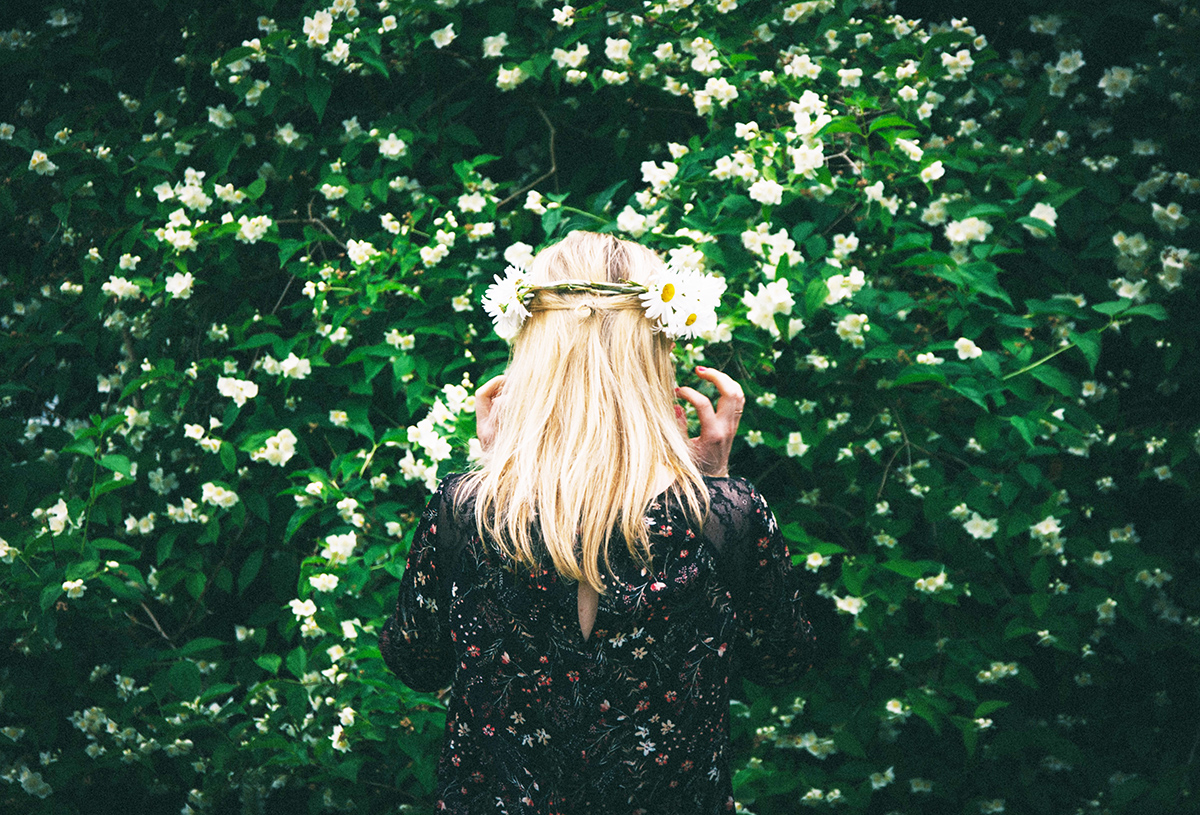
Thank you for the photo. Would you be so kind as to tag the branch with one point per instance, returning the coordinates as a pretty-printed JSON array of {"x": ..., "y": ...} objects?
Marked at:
[
  {"x": 553, "y": 163},
  {"x": 154, "y": 620},
  {"x": 311, "y": 219}
]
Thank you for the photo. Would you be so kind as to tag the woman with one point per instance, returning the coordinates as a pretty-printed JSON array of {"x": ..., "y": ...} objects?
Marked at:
[{"x": 588, "y": 593}]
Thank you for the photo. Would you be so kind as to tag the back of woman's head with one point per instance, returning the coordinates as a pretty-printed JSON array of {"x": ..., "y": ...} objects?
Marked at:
[{"x": 587, "y": 422}]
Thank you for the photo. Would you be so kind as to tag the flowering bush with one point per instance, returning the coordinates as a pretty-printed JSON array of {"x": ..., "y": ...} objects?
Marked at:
[{"x": 242, "y": 324}]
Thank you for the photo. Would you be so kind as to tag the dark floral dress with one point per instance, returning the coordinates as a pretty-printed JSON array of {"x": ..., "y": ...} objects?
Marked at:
[{"x": 634, "y": 720}]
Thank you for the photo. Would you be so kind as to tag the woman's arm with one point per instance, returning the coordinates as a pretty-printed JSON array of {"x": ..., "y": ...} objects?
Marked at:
[
  {"x": 415, "y": 640},
  {"x": 777, "y": 639}
]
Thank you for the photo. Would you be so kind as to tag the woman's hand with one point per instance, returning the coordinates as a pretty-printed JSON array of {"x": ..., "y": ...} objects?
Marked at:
[
  {"x": 717, "y": 427},
  {"x": 487, "y": 400}
]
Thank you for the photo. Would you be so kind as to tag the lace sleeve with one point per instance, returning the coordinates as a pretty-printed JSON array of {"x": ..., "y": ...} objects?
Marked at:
[
  {"x": 776, "y": 639},
  {"x": 415, "y": 640}
]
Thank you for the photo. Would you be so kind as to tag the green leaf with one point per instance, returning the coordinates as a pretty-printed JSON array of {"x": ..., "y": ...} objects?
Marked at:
[
  {"x": 184, "y": 677},
  {"x": 289, "y": 247},
  {"x": 297, "y": 520},
  {"x": 83, "y": 447},
  {"x": 108, "y": 544},
  {"x": 927, "y": 259},
  {"x": 1088, "y": 344},
  {"x": 318, "y": 90},
  {"x": 1152, "y": 310},
  {"x": 297, "y": 661},
  {"x": 970, "y": 389},
  {"x": 1113, "y": 307},
  {"x": 228, "y": 457},
  {"x": 1037, "y": 223},
  {"x": 1026, "y": 428},
  {"x": 166, "y": 544},
  {"x": 847, "y": 743},
  {"x": 198, "y": 646},
  {"x": 1056, "y": 379},
  {"x": 118, "y": 464},
  {"x": 906, "y": 568},
  {"x": 195, "y": 582},
  {"x": 916, "y": 374},
  {"x": 985, "y": 210},
  {"x": 814, "y": 297},
  {"x": 1029, "y": 472},
  {"x": 249, "y": 570},
  {"x": 841, "y": 124},
  {"x": 889, "y": 121},
  {"x": 49, "y": 595},
  {"x": 257, "y": 341},
  {"x": 461, "y": 134},
  {"x": 990, "y": 706},
  {"x": 1039, "y": 602},
  {"x": 912, "y": 240},
  {"x": 982, "y": 276},
  {"x": 269, "y": 663}
]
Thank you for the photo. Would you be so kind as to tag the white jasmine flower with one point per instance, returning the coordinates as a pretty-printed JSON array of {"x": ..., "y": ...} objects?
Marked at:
[
  {"x": 1043, "y": 212},
  {"x": 217, "y": 495},
  {"x": 443, "y": 36},
  {"x": 250, "y": 230},
  {"x": 317, "y": 28},
  {"x": 933, "y": 172},
  {"x": 239, "y": 390},
  {"x": 338, "y": 548},
  {"x": 967, "y": 349},
  {"x": 303, "y": 608},
  {"x": 850, "y": 605},
  {"x": 323, "y": 582},
  {"x": 41, "y": 164},
  {"x": 981, "y": 528},
  {"x": 563, "y": 17},
  {"x": 766, "y": 191},
  {"x": 179, "y": 285},
  {"x": 278, "y": 449},
  {"x": 360, "y": 252},
  {"x": 392, "y": 146},
  {"x": 120, "y": 288}
]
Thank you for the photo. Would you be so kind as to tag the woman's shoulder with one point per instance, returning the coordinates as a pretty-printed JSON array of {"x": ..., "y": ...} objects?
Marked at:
[
  {"x": 732, "y": 488},
  {"x": 455, "y": 496},
  {"x": 735, "y": 502}
]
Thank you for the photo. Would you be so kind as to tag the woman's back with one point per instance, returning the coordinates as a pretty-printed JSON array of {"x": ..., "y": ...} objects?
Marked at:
[{"x": 631, "y": 719}]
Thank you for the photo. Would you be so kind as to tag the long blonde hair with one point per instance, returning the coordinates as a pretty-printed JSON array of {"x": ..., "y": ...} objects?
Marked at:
[{"x": 588, "y": 414}]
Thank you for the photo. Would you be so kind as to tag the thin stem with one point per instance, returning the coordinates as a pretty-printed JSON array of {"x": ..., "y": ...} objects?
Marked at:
[
  {"x": 578, "y": 211},
  {"x": 154, "y": 620},
  {"x": 367, "y": 461},
  {"x": 1041, "y": 361},
  {"x": 553, "y": 163}
]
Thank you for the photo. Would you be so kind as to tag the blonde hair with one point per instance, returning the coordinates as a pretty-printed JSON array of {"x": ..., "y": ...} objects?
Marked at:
[{"x": 587, "y": 417}]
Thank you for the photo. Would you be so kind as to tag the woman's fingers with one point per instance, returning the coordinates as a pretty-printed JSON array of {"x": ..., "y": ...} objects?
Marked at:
[
  {"x": 717, "y": 426},
  {"x": 488, "y": 390},
  {"x": 731, "y": 398},
  {"x": 704, "y": 408},
  {"x": 487, "y": 398}
]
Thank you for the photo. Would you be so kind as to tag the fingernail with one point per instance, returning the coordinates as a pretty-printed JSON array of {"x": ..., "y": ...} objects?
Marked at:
[{"x": 701, "y": 368}]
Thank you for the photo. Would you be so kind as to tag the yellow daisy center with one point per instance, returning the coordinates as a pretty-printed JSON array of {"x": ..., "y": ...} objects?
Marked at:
[{"x": 668, "y": 291}]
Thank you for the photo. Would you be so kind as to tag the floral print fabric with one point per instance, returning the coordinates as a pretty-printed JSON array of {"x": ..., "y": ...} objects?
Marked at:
[{"x": 632, "y": 720}]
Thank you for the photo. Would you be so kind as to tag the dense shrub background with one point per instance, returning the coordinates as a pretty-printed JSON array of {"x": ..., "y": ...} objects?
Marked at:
[{"x": 961, "y": 297}]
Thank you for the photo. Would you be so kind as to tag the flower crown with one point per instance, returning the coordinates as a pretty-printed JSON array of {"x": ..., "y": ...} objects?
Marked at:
[{"x": 681, "y": 302}]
